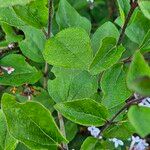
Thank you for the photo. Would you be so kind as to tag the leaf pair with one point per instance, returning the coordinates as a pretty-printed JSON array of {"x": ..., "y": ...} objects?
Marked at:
[{"x": 71, "y": 48}]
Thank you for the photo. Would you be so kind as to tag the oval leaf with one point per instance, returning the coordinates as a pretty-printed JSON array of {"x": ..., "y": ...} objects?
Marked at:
[
  {"x": 84, "y": 111},
  {"x": 23, "y": 72},
  {"x": 31, "y": 123},
  {"x": 67, "y": 16},
  {"x": 106, "y": 56},
  {"x": 138, "y": 69},
  {"x": 70, "y": 48},
  {"x": 140, "y": 119}
]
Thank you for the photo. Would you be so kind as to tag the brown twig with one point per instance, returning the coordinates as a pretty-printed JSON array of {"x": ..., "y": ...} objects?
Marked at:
[
  {"x": 62, "y": 129},
  {"x": 126, "y": 106},
  {"x": 9, "y": 48},
  {"x": 133, "y": 5},
  {"x": 48, "y": 35}
]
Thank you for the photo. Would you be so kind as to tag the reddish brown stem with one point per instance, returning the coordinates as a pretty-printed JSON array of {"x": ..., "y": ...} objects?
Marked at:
[
  {"x": 126, "y": 106},
  {"x": 133, "y": 5}
]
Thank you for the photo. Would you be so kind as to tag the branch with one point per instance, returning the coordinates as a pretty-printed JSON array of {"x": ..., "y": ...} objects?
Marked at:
[
  {"x": 48, "y": 35},
  {"x": 133, "y": 5},
  {"x": 126, "y": 106},
  {"x": 9, "y": 48},
  {"x": 62, "y": 129},
  {"x": 50, "y": 10}
]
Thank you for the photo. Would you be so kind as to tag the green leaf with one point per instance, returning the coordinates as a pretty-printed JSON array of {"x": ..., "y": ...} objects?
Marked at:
[
  {"x": 86, "y": 112},
  {"x": 70, "y": 48},
  {"x": 91, "y": 144},
  {"x": 96, "y": 144},
  {"x": 138, "y": 73},
  {"x": 106, "y": 56},
  {"x": 8, "y": 3},
  {"x": 23, "y": 73},
  {"x": 121, "y": 130},
  {"x": 114, "y": 87},
  {"x": 21, "y": 146},
  {"x": 142, "y": 86},
  {"x": 124, "y": 7},
  {"x": 7, "y": 142},
  {"x": 31, "y": 123},
  {"x": 34, "y": 43},
  {"x": 145, "y": 45},
  {"x": 107, "y": 29},
  {"x": 67, "y": 16},
  {"x": 10, "y": 34},
  {"x": 71, "y": 84},
  {"x": 140, "y": 119},
  {"x": 144, "y": 6},
  {"x": 139, "y": 26},
  {"x": 34, "y": 13},
  {"x": 7, "y": 15},
  {"x": 71, "y": 130}
]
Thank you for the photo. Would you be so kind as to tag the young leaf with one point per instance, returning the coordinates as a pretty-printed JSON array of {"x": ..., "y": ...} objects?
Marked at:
[
  {"x": 106, "y": 56},
  {"x": 34, "y": 13},
  {"x": 71, "y": 84},
  {"x": 140, "y": 119},
  {"x": 138, "y": 73},
  {"x": 7, "y": 15},
  {"x": 139, "y": 26},
  {"x": 34, "y": 43},
  {"x": 67, "y": 16},
  {"x": 144, "y": 6},
  {"x": 114, "y": 87},
  {"x": 86, "y": 112},
  {"x": 31, "y": 123},
  {"x": 145, "y": 45},
  {"x": 10, "y": 34},
  {"x": 108, "y": 29},
  {"x": 8, "y": 3},
  {"x": 124, "y": 7},
  {"x": 70, "y": 48},
  {"x": 7, "y": 142},
  {"x": 23, "y": 72}
]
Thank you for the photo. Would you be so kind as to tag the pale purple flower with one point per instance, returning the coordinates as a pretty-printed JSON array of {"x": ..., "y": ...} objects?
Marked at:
[
  {"x": 8, "y": 69},
  {"x": 116, "y": 142},
  {"x": 145, "y": 102},
  {"x": 94, "y": 131}
]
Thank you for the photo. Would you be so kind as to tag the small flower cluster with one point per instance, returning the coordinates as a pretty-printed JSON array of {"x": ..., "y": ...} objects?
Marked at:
[
  {"x": 95, "y": 132},
  {"x": 138, "y": 143},
  {"x": 8, "y": 69}
]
